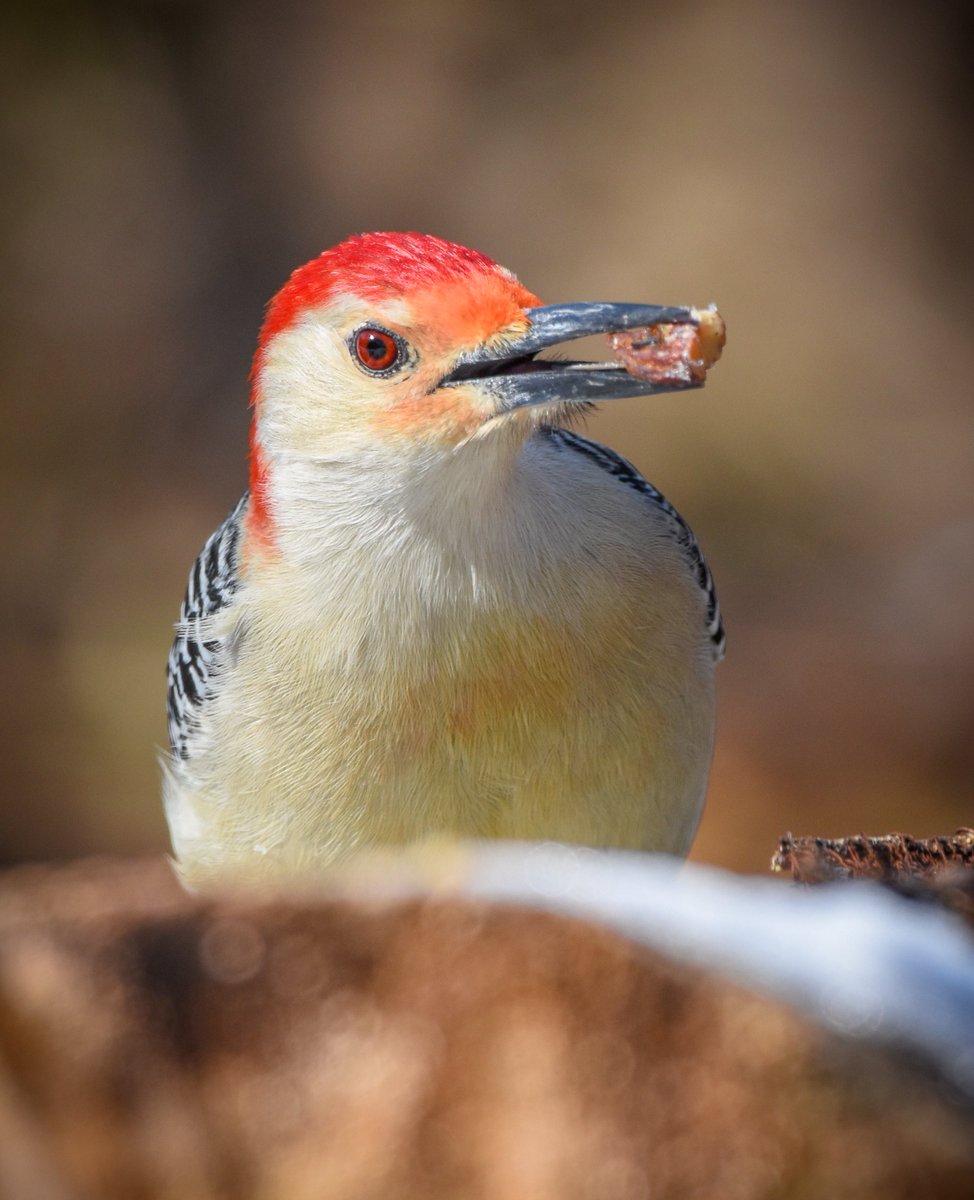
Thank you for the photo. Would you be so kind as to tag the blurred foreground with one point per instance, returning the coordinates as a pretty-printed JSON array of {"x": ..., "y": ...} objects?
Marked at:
[{"x": 155, "y": 1045}]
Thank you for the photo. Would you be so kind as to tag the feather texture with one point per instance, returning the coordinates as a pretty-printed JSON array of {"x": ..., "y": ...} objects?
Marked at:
[{"x": 194, "y": 656}]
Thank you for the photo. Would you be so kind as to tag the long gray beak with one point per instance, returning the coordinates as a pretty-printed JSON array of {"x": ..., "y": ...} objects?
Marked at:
[{"x": 512, "y": 374}]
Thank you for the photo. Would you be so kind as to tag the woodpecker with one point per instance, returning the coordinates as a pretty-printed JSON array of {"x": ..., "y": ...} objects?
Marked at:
[{"x": 436, "y": 609}]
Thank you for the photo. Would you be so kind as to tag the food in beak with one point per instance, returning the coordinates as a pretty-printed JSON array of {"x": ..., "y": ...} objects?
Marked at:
[{"x": 672, "y": 354}]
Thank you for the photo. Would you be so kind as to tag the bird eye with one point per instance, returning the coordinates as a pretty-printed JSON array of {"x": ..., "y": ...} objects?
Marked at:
[{"x": 377, "y": 350}]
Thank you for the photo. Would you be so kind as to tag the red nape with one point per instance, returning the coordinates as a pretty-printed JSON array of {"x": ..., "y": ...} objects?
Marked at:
[
  {"x": 259, "y": 522},
  {"x": 374, "y": 266}
]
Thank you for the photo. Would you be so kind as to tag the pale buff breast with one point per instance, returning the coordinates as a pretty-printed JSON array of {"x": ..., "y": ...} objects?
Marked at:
[{"x": 564, "y": 693}]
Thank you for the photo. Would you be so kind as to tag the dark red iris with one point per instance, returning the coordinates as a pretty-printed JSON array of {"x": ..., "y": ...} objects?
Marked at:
[{"x": 376, "y": 349}]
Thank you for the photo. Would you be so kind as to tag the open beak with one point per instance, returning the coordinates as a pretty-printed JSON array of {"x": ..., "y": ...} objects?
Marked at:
[{"x": 509, "y": 371}]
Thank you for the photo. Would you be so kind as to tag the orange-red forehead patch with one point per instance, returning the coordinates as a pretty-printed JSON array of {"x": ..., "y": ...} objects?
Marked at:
[{"x": 457, "y": 314}]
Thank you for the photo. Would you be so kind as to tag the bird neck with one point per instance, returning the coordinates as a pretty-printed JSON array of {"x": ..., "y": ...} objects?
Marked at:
[{"x": 381, "y": 502}]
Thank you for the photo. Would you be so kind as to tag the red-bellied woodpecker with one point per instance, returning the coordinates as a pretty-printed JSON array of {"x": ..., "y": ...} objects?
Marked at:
[{"x": 436, "y": 610}]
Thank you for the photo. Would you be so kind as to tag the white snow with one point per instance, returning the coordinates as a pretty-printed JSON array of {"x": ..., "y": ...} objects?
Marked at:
[{"x": 854, "y": 956}]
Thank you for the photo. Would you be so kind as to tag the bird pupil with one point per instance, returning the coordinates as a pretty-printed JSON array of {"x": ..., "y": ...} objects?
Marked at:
[{"x": 376, "y": 348}]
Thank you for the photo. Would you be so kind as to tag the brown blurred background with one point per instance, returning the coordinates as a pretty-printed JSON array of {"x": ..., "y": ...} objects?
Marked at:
[{"x": 808, "y": 167}]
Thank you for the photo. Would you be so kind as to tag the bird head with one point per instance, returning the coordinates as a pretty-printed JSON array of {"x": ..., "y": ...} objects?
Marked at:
[{"x": 403, "y": 341}]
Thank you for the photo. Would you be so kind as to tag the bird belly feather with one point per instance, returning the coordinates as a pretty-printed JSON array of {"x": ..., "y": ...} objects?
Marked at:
[
  {"x": 564, "y": 696},
  {"x": 514, "y": 725}
]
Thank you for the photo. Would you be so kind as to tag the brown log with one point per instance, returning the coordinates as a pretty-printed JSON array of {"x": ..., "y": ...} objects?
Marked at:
[
  {"x": 816, "y": 859},
  {"x": 153, "y": 1044}
]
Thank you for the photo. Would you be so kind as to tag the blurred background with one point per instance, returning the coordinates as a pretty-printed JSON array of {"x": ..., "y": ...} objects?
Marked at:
[{"x": 806, "y": 166}]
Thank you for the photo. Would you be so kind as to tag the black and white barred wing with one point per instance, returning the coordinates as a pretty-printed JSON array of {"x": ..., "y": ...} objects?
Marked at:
[
  {"x": 194, "y": 656},
  {"x": 627, "y": 474}
]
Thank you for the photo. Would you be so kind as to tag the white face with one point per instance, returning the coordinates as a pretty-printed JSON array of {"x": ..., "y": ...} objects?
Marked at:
[{"x": 354, "y": 375}]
